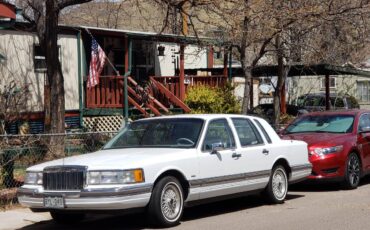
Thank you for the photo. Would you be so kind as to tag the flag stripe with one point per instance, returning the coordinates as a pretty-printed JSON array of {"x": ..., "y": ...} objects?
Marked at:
[{"x": 97, "y": 62}]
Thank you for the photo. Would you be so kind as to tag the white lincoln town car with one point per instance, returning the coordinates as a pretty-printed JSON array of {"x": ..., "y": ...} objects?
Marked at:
[{"x": 159, "y": 165}]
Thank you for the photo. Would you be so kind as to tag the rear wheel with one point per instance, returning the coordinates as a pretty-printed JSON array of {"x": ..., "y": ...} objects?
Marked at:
[
  {"x": 353, "y": 172},
  {"x": 167, "y": 202},
  {"x": 277, "y": 188},
  {"x": 67, "y": 218}
]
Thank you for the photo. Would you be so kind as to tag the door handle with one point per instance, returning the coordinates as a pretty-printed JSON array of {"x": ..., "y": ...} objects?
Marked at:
[
  {"x": 265, "y": 151},
  {"x": 236, "y": 155}
]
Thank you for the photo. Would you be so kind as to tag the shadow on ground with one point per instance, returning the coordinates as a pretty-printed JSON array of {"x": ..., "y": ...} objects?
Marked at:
[
  {"x": 138, "y": 221},
  {"x": 323, "y": 186}
]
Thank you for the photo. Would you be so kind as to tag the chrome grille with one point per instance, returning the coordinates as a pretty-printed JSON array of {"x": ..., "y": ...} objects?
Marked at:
[{"x": 64, "y": 178}]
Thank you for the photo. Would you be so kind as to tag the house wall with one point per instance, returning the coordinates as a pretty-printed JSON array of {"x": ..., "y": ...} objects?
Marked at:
[
  {"x": 345, "y": 84},
  {"x": 18, "y": 47},
  {"x": 195, "y": 57}
]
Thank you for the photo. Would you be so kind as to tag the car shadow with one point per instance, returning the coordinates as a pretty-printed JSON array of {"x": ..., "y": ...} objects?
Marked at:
[
  {"x": 321, "y": 186},
  {"x": 138, "y": 221}
]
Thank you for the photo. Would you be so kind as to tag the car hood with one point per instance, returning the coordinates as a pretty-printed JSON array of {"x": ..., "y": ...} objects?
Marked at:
[
  {"x": 319, "y": 138},
  {"x": 117, "y": 158}
]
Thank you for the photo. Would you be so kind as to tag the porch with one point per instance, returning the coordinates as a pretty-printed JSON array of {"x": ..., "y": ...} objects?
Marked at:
[{"x": 158, "y": 96}]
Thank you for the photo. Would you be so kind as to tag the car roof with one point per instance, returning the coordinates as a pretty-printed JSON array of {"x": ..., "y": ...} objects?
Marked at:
[
  {"x": 201, "y": 116},
  {"x": 344, "y": 112}
]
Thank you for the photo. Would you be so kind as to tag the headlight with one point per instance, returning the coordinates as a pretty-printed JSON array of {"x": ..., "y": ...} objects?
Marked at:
[
  {"x": 328, "y": 150},
  {"x": 115, "y": 177},
  {"x": 33, "y": 178}
]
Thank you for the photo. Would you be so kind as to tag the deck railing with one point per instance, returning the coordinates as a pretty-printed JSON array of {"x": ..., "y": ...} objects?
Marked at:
[
  {"x": 109, "y": 92},
  {"x": 172, "y": 83}
]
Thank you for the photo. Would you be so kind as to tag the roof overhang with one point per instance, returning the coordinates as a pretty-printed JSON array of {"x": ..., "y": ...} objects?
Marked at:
[
  {"x": 295, "y": 70},
  {"x": 7, "y": 11},
  {"x": 151, "y": 36}
]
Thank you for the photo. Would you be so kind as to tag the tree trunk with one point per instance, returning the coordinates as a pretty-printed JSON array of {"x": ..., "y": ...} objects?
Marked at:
[
  {"x": 55, "y": 78},
  {"x": 282, "y": 75},
  {"x": 247, "y": 88}
]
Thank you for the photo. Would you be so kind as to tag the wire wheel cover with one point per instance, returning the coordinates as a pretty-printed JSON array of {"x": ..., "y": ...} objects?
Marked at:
[
  {"x": 171, "y": 202},
  {"x": 279, "y": 184}
]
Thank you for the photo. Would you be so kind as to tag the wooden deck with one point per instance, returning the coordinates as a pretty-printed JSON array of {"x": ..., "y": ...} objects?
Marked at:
[{"x": 163, "y": 93}]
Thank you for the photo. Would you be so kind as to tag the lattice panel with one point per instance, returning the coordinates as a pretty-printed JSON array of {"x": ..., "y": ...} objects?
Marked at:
[{"x": 103, "y": 123}]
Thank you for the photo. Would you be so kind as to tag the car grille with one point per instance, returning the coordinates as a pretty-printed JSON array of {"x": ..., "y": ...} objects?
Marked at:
[{"x": 64, "y": 178}]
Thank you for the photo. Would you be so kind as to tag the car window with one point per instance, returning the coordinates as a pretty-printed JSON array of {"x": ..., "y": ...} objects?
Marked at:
[
  {"x": 218, "y": 131},
  {"x": 364, "y": 123},
  {"x": 338, "y": 102},
  {"x": 323, "y": 123},
  {"x": 247, "y": 132},
  {"x": 263, "y": 131},
  {"x": 164, "y": 133}
]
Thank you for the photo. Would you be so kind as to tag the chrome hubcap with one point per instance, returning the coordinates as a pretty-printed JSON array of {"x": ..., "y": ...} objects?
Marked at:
[
  {"x": 171, "y": 201},
  {"x": 353, "y": 170},
  {"x": 279, "y": 184}
]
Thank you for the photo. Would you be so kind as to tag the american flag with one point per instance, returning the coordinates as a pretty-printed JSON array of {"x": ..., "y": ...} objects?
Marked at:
[{"x": 96, "y": 64}]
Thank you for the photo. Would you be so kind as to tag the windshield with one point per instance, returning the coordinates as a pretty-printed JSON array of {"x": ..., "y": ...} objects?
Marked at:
[
  {"x": 332, "y": 123},
  {"x": 161, "y": 133}
]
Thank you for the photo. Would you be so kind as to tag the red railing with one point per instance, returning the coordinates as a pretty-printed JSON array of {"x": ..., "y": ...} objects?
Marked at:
[
  {"x": 107, "y": 94},
  {"x": 172, "y": 82},
  {"x": 166, "y": 92}
]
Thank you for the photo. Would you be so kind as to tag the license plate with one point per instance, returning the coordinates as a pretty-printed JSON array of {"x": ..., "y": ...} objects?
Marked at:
[{"x": 53, "y": 202}]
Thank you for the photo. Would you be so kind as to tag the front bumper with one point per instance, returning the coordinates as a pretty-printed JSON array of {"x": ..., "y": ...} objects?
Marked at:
[
  {"x": 327, "y": 167},
  {"x": 89, "y": 199}
]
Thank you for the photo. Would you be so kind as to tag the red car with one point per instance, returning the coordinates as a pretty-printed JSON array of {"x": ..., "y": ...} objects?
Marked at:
[{"x": 338, "y": 144}]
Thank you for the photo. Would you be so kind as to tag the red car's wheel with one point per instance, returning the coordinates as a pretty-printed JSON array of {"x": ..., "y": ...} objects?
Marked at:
[{"x": 353, "y": 172}]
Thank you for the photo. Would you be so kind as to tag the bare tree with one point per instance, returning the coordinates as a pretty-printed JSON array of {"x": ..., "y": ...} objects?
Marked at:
[{"x": 44, "y": 15}]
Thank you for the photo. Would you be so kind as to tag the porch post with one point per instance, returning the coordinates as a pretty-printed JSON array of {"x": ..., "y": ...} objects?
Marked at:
[
  {"x": 327, "y": 92},
  {"x": 225, "y": 63},
  {"x": 230, "y": 64},
  {"x": 182, "y": 73},
  {"x": 80, "y": 80},
  {"x": 128, "y": 48},
  {"x": 283, "y": 99},
  {"x": 210, "y": 57}
]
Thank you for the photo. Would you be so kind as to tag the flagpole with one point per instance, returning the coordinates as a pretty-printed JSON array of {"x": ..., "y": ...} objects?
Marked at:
[{"x": 109, "y": 61}]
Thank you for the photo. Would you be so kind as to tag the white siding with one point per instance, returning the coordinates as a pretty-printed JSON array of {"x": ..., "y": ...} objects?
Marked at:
[{"x": 18, "y": 48}]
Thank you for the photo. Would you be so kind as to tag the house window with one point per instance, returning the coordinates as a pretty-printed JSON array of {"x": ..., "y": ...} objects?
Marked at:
[
  {"x": 332, "y": 82},
  {"x": 39, "y": 59},
  {"x": 363, "y": 90}
]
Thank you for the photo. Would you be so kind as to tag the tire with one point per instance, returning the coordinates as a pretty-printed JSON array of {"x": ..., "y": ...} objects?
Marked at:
[
  {"x": 353, "y": 172},
  {"x": 277, "y": 187},
  {"x": 166, "y": 204},
  {"x": 67, "y": 218}
]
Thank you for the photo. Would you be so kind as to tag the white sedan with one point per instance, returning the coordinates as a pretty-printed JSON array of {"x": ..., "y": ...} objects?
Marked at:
[{"x": 162, "y": 164}]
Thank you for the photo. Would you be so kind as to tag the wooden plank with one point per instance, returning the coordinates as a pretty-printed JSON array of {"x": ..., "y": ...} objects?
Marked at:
[
  {"x": 133, "y": 102},
  {"x": 150, "y": 96},
  {"x": 171, "y": 96},
  {"x": 102, "y": 93},
  {"x": 151, "y": 107}
]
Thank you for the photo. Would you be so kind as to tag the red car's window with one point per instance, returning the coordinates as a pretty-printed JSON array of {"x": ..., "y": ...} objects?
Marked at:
[{"x": 328, "y": 123}]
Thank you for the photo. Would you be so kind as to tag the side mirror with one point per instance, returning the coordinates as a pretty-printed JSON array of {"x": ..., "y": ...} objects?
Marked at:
[{"x": 215, "y": 147}]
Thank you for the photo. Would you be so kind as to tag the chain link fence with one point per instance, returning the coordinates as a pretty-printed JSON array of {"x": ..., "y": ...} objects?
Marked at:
[{"x": 17, "y": 152}]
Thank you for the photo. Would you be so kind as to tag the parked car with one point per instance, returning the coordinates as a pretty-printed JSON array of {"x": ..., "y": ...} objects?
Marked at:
[
  {"x": 338, "y": 143},
  {"x": 266, "y": 111},
  {"x": 162, "y": 164},
  {"x": 317, "y": 102}
]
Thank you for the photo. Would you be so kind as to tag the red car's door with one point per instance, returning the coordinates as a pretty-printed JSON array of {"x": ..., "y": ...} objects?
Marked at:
[{"x": 364, "y": 138}]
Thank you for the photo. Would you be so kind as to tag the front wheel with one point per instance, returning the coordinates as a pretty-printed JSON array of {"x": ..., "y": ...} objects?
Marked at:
[
  {"x": 277, "y": 187},
  {"x": 353, "y": 172},
  {"x": 166, "y": 205}
]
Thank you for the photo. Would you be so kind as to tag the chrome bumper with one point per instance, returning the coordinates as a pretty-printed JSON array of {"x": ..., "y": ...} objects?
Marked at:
[{"x": 89, "y": 199}]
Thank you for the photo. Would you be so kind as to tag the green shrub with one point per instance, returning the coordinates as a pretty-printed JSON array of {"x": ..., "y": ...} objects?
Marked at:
[{"x": 205, "y": 99}]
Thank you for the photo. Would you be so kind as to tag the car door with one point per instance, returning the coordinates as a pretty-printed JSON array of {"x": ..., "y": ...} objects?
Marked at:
[
  {"x": 218, "y": 167},
  {"x": 363, "y": 138},
  {"x": 255, "y": 154}
]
